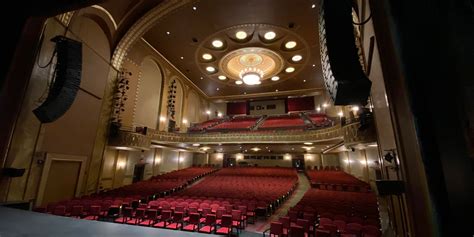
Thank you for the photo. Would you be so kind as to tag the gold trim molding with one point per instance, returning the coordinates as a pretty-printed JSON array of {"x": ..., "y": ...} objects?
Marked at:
[{"x": 349, "y": 134}]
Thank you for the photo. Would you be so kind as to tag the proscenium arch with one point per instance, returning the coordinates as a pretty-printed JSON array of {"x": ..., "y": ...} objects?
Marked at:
[
  {"x": 101, "y": 16},
  {"x": 144, "y": 24}
]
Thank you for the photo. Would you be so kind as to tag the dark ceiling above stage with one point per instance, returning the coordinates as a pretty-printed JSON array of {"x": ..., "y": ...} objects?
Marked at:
[{"x": 192, "y": 31}]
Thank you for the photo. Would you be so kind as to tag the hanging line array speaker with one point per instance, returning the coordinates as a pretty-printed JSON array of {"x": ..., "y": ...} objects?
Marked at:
[
  {"x": 67, "y": 80},
  {"x": 341, "y": 54}
]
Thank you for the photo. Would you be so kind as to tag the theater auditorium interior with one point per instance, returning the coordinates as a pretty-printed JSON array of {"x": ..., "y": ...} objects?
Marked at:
[{"x": 318, "y": 118}]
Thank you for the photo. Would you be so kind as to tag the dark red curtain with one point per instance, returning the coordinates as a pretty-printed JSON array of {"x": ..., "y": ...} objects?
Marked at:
[
  {"x": 300, "y": 104},
  {"x": 236, "y": 108}
]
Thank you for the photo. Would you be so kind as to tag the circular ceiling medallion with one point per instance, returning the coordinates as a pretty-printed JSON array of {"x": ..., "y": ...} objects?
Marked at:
[{"x": 267, "y": 62}]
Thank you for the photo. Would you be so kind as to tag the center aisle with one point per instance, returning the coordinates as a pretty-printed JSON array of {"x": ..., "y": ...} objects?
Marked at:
[{"x": 303, "y": 186}]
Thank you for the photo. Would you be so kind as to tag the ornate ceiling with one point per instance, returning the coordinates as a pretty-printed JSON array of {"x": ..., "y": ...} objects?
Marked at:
[{"x": 287, "y": 58}]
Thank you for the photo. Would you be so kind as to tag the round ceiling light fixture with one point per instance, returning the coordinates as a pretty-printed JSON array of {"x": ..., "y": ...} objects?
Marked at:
[
  {"x": 296, "y": 58},
  {"x": 269, "y": 35},
  {"x": 290, "y": 69},
  {"x": 207, "y": 56},
  {"x": 222, "y": 77},
  {"x": 251, "y": 76},
  {"x": 275, "y": 78},
  {"x": 290, "y": 44},
  {"x": 238, "y": 82},
  {"x": 217, "y": 43},
  {"x": 241, "y": 35},
  {"x": 210, "y": 69}
]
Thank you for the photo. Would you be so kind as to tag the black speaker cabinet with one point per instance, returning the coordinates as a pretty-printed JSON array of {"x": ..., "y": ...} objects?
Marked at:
[
  {"x": 66, "y": 81},
  {"x": 341, "y": 54},
  {"x": 12, "y": 172}
]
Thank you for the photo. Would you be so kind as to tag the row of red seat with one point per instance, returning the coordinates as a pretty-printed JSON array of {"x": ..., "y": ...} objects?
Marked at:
[
  {"x": 261, "y": 184},
  {"x": 236, "y": 123},
  {"x": 283, "y": 121},
  {"x": 131, "y": 193},
  {"x": 336, "y": 180},
  {"x": 245, "y": 123}
]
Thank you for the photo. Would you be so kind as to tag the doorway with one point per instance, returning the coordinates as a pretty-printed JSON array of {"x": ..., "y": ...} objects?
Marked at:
[
  {"x": 298, "y": 163},
  {"x": 138, "y": 172}
]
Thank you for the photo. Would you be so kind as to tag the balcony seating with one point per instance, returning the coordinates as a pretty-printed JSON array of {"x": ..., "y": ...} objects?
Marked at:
[{"x": 283, "y": 121}]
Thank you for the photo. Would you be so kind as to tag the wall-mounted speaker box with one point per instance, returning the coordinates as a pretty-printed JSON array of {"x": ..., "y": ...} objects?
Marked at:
[
  {"x": 67, "y": 80},
  {"x": 390, "y": 187},
  {"x": 12, "y": 172},
  {"x": 341, "y": 54}
]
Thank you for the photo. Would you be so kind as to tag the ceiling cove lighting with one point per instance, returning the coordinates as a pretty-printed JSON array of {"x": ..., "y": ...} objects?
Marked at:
[
  {"x": 241, "y": 35},
  {"x": 222, "y": 77},
  {"x": 290, "y": 44},
  {"x": 269, "y": 35},
  {"x": 275, "y": 78},
  {"x": 217, "y": 43},
  {"x": 290, "y": 69},
  {"x": 207, "y": 56},
  {"x": 296, "y": 58},
  {"x": 210, "y": 69}
]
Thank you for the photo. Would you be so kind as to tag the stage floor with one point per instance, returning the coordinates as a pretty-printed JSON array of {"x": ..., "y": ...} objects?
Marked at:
[{"x": 16, "y": 223}]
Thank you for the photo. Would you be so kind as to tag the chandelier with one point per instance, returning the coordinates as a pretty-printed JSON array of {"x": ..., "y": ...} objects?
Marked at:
[{"x": 251, "y": 76}]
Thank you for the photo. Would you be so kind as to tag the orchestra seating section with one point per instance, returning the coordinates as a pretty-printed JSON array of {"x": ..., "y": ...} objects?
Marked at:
[
  {"x": 336, "y": 213},
  {"x": 224, "y": 202},
  {"x": 332, "y": 210},
  {"x": 248, "y": 123},
  {"x": 227, "y": 200},
  {"x": 336, "y": 180},
  {"x": 97, "y": 205}
]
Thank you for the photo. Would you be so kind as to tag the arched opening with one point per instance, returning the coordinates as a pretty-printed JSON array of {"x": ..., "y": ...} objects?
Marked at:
[{"x": 149, "y": 94}]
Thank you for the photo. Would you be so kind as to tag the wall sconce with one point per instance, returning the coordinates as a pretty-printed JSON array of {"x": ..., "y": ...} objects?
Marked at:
[
  {"x": 220, "y": 156},
  {"x": 239, "y": 156},
  {"x": 287, "y": 157},
  {"x": 121, "y": 164},
  {"x": 157, "y": 160}
]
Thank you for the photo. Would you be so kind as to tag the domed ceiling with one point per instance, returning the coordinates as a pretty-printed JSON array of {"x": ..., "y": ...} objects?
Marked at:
[{"x": 238, "y": 49}]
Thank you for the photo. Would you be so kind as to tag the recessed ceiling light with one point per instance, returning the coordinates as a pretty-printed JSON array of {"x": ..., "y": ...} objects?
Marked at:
[
  {"x": 290, "y": 69},
  {"x": 275, "y": 78},
  {"x": 314, "y": 65},
  {"x": 297, "y": 58},
  {"x": 222, "y": 77},
  {"x": 304, "y": 80},
  {"x": 210, "y": 69},
  {"x": 276, "y": 90},
  {"x": 207, "y": 56},
  {"x": 202, "y": 78},
  {"x": 167, "y": 32},
  {"x": 239, "y": 83},
  {"x": 182, "y": 57},
  {"x": 245, "y": 93},
  {"x": 217, "y": 88},
  {"x": 217, "y": 43},
  {"x": 269, "y": 35},
  {"x": 195, "y": 8},
  {"x": 308, "y": 143},
  {"x": 313, "y": 6},
  {"x": 290, "y": 44},
  {"x": 241, "y": 35}
]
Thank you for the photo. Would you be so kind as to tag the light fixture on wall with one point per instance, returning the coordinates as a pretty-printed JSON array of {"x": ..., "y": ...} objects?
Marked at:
[{"x": 287, "y": 157}]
